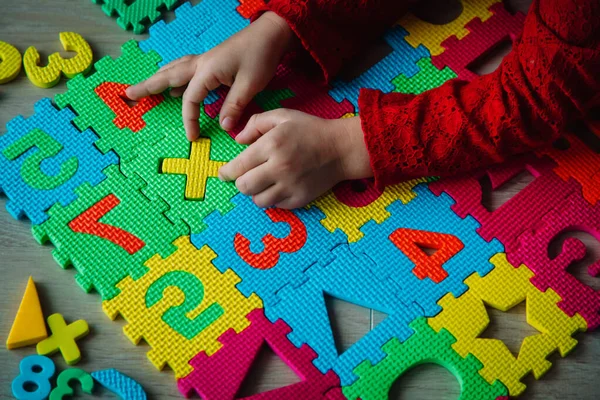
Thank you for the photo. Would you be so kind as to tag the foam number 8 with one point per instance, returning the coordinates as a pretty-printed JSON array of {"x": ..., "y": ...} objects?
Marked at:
[
  {"x": 31, "y": 171},
  {"x": 35, "y": 372},
  {"x": 63, "y": 388},
  {"x": 10, "y": 64},
  {"x": 176, "y": 316},
  {"x": 49, "y": 75}
]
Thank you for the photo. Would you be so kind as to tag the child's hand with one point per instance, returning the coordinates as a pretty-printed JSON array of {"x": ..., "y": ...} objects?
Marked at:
[
  {"x": 295, "y": 157},
  {"x": 246, "y": 62}
]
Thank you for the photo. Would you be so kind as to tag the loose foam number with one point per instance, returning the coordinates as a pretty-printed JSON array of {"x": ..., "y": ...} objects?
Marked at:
[
  {"x": 34, "y": 371},
  {"x": 10, "y": 62},
  {"x": 48, "y": 76},
  {"x": 63, "y": 388}
]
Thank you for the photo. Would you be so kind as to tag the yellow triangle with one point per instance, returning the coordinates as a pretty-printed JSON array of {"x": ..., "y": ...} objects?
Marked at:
[{"x": 29, "y": 326}]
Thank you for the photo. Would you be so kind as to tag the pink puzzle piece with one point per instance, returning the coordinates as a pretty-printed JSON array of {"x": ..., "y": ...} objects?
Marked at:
[
  {"x": 219, "y": 376},
  {"x": 573, "y": 214},
  {"x": 520, "y": 213},
  {"x": 483, "y": 37}
]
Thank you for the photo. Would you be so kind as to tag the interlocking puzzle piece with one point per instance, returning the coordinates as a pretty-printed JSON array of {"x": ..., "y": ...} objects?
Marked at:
[
  {"x": 120, "y": 384},
  {"x": 247, "y": 8},
  {"x": 484, "y": 36},
  {"x": 49, "y": 75},
  {"x": 10, "y": 62},
  {"x": 352, "y": 204},
  {"x": 270, "y": 252},
  {"x": 109, "y": 232},
  {"x": 63, "y": 338},
  {"x": 181, "y": 306},
  {"x": 402, "y": 60},
  {"x": 431, "y": 35},
  {"x": 136, "y": 14},
  {"x": 29, "y": 326},
  {"x": 44, "y": 158},
  {"x": 503, "y": 288},
  {"x": 389, "y": 261},
  {"x": 516, "y": 215},
  {"x": 579, "y": 162},
  {"x": 92, "y": 111},
  {"x": 36, "y": 370},
  {"x": 195, "y": 30},
  {"x": 348, "y": 278},
  {"x": 197, "y": 193},
  {"x": 63, "y": 387},
  {"x": 573, "y": 214},
  {"x": 237, "y": 354},
  {"x": 427, "y": 78},
  {"x": 425, "y": 346}
]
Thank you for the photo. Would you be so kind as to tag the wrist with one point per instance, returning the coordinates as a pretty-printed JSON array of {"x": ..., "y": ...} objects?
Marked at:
[
  {"x": 351, "y": 149},
  {"x": 282, "y": 34}
]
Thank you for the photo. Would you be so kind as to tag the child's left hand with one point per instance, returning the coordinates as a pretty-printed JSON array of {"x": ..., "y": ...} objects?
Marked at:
[{"x": 295, "y": 157}]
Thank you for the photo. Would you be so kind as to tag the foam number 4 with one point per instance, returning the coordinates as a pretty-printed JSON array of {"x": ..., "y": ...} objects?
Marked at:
[
  {"x": 63, "y": 388},
  {"x": 35, "y": 371},
  {"x": 49, "y": 75},
  {"x": 31, "y": 170},
  {"x": 89, "y": 222},
  {"x": 10, "y": 64},
  {"x": 177, "y": 316},
  {"x": 273, "y": 246}
]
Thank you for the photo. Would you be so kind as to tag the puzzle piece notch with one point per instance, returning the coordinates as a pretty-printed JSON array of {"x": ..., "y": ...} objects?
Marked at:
[
  {"x": 135, "y": 14},
  {"x": 44, "y": 158},
  {"x": 120, "y": 384},
  {"x": 10, "y": 62},
  {"x": 181, "y": 306},
  {"x": 459, "y": 53},
  {"x": 49, "y": 75},
  {"x": 63, "y": 338},
  {"x": 503, "y": 288},
  {"x": 29, "y": 326},
  {"x": 237, "y": 355},
  {"x": 424, "y": 346}
]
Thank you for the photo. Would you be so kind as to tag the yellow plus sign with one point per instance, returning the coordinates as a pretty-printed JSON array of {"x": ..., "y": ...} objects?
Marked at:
[{"x": 198, "y": 168}]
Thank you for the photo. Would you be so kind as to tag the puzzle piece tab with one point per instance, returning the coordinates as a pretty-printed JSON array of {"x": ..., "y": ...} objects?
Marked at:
[
  {"x": 135, "y": 14},
  {"x": 503, "y": 288},
  {"x": 44, "y": 158},
  {"x": 427, "y": 78},
  {"x": 181, "y": 306},
  {"x": 63, "y": 338}
]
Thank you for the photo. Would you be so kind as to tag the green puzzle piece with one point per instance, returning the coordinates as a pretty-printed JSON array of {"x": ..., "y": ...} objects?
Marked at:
[
  {"x": 131, "y": 67},
  {"x": 427, "y": 78},
  {"x": 138, "y": 229},
  {"x": 269, "y": 100},
  {"x": 425, "y": 346},
  {"x": 133, "y": 13}
]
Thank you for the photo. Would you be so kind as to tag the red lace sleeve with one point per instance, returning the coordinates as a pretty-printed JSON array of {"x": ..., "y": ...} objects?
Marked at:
[
  {"x": 551, "y": 77},
  {"x": 332, "y": 31}
]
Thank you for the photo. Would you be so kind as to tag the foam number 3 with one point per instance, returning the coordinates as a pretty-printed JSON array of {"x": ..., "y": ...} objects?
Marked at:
[
  {"x": 177, "y": 316},
  {"x": 63, "y": 388},
  {"x": 49, "y": 75},
  {"x": 35, "y": 371},
  {"x": 31, "y": 170},
  {"x": 273, "y": 246},
  {"x": 10, "y": 64}
]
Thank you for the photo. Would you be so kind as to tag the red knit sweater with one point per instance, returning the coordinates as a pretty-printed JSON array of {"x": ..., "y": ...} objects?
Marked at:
[{"x": 550, "y": 78}]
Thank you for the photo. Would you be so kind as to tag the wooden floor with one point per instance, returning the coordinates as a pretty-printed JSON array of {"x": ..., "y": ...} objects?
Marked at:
[{"x": 33, "y": 22}]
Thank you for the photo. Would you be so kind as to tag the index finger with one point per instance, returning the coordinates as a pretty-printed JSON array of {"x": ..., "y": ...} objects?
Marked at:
[{"x": 176, "y": 76}]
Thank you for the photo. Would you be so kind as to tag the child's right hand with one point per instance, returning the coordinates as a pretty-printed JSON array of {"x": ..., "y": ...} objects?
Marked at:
[{"x": 246, "y": 62}]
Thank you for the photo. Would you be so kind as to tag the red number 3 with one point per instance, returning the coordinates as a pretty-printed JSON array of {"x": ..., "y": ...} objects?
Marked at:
[{"x": 273, "y": 246}]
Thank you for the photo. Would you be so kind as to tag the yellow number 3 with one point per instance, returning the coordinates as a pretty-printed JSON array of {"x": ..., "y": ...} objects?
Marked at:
[{"x": 49, "y": 75}]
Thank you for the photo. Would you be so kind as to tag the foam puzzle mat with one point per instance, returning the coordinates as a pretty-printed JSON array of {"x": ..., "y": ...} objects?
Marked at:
[{"x": 206, "y": 278}]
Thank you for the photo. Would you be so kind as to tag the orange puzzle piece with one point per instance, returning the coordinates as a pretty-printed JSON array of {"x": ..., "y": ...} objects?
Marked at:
[{"x": 29, "y": 326}]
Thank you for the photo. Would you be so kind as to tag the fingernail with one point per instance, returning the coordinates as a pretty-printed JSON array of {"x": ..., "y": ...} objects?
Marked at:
[{"x": 227, "y": 124}]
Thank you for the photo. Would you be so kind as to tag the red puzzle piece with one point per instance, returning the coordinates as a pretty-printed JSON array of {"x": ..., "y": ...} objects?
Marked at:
[
  {"x": 220, "y": 375},
  {"x": 247, "y": 8},
  {"x": 358, "y": 193},
  {"x": 483, "y": 37}
]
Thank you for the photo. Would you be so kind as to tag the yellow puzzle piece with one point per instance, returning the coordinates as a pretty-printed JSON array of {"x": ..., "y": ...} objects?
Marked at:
[
  {"x": 181, "y": 306},
  {"x": 432, "y": 35},
  {"x": 48, "y": 76},
  {"x": 10, "y": 64},
  {"x": 63, "y": 338},
  {"x": 29, "y": 326},
  {"x": 503, "y": 288}
]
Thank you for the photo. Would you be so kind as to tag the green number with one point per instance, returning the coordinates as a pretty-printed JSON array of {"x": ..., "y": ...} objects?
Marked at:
[
  {"x": 175, "y": 316},
  {"x": 63, "y": 389}
]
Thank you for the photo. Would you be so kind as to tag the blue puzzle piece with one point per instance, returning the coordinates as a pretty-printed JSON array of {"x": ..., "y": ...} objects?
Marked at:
[
  {"x": 120, "y": 384},
  {"x": 348, "y": 278},
  {"x": 195, "y": 30},
  {"x": 44, "y": 158},
  {"x": 402, "y": 60},
  {"x": 428, "y": 213},
  {"x": 253, "y": 223}
]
